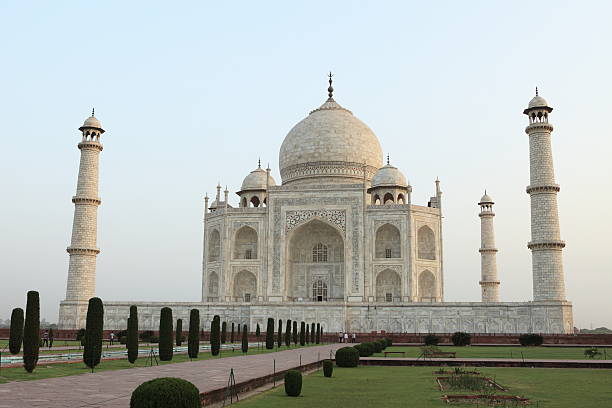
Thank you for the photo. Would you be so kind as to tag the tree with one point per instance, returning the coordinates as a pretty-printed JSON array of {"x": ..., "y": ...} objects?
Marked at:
[
  {"x": 270, "y": 334},
  {"x": 294, "y": 332},
  {"x": 193, "y": 341},
  {"x": 16, "y": 334},
  {"x": 302, "y": 334},
  {"x": 223, "y": 332},
  {"x": 165, "y": 334},
  {"x": 215, "y": 337},
  {"x": 179, "y": 332},
  {"x": 31, "y": 331},
  {"x": 258, "y": 332},
  {"x": 279, "y": 340},
  {"x": 312, "y": 333},
  {"x": 318, "y": 338},
  {"x": 232, "y": 336},
  {"x": 238, "y": 331},
  {"x": 245, "y": 339},
  {"x": 93, "y": 333},
  {"x": 132, "y": 335},
  {"x": 307, "y": 334},
  {"x": 288, "y": 333}
]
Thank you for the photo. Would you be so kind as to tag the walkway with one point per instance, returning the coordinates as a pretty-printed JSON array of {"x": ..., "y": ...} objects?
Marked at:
[
  {"x": 485, "y": 362},
  {"x": 112, "y": 389}
]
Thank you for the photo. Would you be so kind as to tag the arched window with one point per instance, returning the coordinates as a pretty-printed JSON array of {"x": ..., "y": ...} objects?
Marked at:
[
  {"x": 388, "y": 242},
  {"x": 245, "y": 243},
  {"x": 388, "y": 198},
  {"x": 245, "y": 286},
  {"x": 426, "y": 243},
  {"x": 319, "y": 253},
  {"x": 255, "y": 201},
  {"x": 214, "y": 246},
  {"x": 213, "y": 284},
  {"x": 376, "y": 200},
  {"x": 319, "y": 291},
  {"x": 427, "y": 286},
  {"x": 388, "y": 286},
  {"x": 400, "y": 199}
]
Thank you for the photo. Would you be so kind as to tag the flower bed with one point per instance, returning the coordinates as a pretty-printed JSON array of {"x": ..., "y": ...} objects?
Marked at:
[{"x": 483, "y": 399}]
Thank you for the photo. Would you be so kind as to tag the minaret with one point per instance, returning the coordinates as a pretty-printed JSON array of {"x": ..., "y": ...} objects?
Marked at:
[
  {"x": 83, "y": 250},
  {"x": 489, "y": 281},
  {"x": 546, "y": 244}
]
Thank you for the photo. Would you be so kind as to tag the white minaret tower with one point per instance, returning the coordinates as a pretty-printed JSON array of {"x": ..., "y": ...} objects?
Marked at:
[
  {"x": 489, "y": 281},
  {"x": 546, "y": 244},
  {"x": 83, "y": 250}
]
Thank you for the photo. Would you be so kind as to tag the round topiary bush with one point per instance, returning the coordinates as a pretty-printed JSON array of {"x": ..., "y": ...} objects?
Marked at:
[
  {"x": 531, "y": 339},
  {"x": 389, "y": 342},
  {"x": 461, "y": 339},
  {"x": 166, "y": 392},
  {"x": 431, "y": 340},
  {"x": 365, "y": 349},
  {"x": 383, "y": 343},
  {"x": 377, "y": 346},
  {"x": 328, "y": 368},
  {"x": 293, "y": 383},
  {"x": 347, "y": 357}
]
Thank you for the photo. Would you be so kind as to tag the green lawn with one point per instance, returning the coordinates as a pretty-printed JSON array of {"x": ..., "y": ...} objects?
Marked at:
[
  {"x": 65, "y": 369},
  {"x": 552, "y": 353},
  {"x": 369, "y": 386}
]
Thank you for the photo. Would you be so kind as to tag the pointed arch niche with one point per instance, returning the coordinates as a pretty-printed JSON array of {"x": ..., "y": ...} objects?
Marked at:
[
  {"x": 427, "y": 286},
  {"x": 388, "y": 242},
  {"x": 245, "y": 243},
  {"x": 426, "y": 243}
]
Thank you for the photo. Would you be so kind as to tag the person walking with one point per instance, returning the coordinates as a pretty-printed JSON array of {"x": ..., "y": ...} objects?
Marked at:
[
  {"x": 346, "y": 337},
  {"x": 112, "y": 338},
  {"x": 354, "y": 338},
  {"x": 45, "y": 338},
  {"x": 339, "y": 337}
]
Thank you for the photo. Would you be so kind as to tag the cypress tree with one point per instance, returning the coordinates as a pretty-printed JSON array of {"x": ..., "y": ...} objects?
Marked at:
[
  {"x": 258, "y": 331},
  {"x": 16, "y": 334},
  {"x": 302, "y": 334},
  {"x": 288, "y": 333},
  {"x": 223, "y": 332},
  {"x": 245, "y": 339},
  {"x": 93, "y": 333},
  {"x": 215, "y": 336},
  {"x": 132, "y": 335},
  {"x": 179, "y": 332},
  {"x": 318, "y": 338},
  {"x": 31, "y": 331},
  {"x": 238, "y": 333},
  {"x": 294, "y": 332},
  {"x": 165, "y": 334},
  {"x": 193, "y": 342},
  {"x": 312, "y": 333},
  {"x": 307, "y": 333},
  {"x": 270, "y": 334},
  {"x": 279, "y": 340},
  {"x": 232, "y": 336}
]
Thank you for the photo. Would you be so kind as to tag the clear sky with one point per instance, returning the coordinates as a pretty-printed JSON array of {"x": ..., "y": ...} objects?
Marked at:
[{"x": 192, "y": 93}]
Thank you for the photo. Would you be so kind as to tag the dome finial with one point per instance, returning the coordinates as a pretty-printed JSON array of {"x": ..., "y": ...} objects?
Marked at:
[
  {"x": 388, "y": 159},
  {"x": 536, "y": 91},
  {"x": 330, "y": 90},
  {"x": 259, "y": 163},
  {"x": 93, "y": 110}
]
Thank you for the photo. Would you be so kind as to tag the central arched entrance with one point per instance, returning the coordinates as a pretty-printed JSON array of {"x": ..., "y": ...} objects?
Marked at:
[{"x": 315, "y": 267}]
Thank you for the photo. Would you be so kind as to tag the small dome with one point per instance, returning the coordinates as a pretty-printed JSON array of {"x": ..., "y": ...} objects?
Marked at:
[
  {"x": 256, "y": 180},
  {"x": 486, "y": 199},
  {"x": 389, "y": 176},
  {"x": 92, "y": 122},
  {"x": 537, "y": 102}
]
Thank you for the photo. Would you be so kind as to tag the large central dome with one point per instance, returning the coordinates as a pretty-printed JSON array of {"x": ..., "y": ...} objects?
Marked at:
[{"x": 329, "y": 146}]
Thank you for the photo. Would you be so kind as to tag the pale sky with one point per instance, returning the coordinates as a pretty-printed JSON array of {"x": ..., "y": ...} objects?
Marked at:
[{"x": 192, "y": 93}]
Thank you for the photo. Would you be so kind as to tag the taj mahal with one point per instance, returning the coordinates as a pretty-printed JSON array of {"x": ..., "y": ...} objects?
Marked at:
[{"x": 337, "y": 240}]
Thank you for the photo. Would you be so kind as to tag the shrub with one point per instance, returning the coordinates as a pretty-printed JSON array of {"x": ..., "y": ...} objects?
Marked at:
[
  {"x": 16, "y": 334},
  {"x": 312, "y": 333},
  {"x": 93, "y": 333},
  {"x": 154, "y": 339},
  {"x": 389, "y": 342},
  {"x": 328, "y": 368},
  {"x": 215, "y": 335},
  {"x": 193, "y": 340},
  {"x": 531, "y": 339},
  {"x": 383, "y": 343},
  {"x": 123, "y": 339},
  {"x": 347, "y": 357},
  {"x": 592, "y": 352},
  {"x": 223, "y": 332},
  {"x": 31, "y": 331},
  {"x": 179, "y": 332},
  {"x": 80, "y": 336},
  {"x": 293, "y": 383},
  {"x": 279, "y": 340},
  {"x": 165, "y": 334},
  {"x": 431, "y": 340},
  {"x": 318, "y": 335},
  {"x": 245, "y": 339},
  {"x": 288, "y": 333},
  {"x": 377, "y": 346},
  {"x": 166, "y": 392},
  {"x": 270, "y": 334},
  {"x": 146, "y": 335},
  {"x": 365, "y": 349},
  {"x": 461, "y": 339},
  {"x": 294, "y": 332}
]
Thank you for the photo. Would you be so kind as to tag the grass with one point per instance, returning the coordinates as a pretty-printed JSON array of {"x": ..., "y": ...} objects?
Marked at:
[
  {"x": 66, "y": 369},
  {"x": 551, "y": 353},
  {"x": 369, "y": 386}
]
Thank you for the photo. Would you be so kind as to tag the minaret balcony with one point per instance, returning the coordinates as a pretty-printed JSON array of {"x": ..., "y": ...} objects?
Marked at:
[
  {"x": 542, "y": 245},
  {"x": 86, "y": 200},
  {"x": 543, "y": 189}
]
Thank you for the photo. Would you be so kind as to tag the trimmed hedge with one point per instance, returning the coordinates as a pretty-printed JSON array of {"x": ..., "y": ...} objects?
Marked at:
[
  {"x": 166, "y": 392},
  {"x": 93, "y": 332},
  {"x": 258, "y": 331},
  {"x": 245, "y": 339},
  {"x": 270, "y": 334},
  {"x": 16, "y": 334},
  {"x": 347, "y": 357},
  {"x": 232, "y": 334},
  {"x": 431, "y": 340},
  {"x": 193, "y": 339},
  {"x": 215, "y": 335},
  {"x": 377, "y": 346},
  {"x": 179, "y": 332},
  {"x": 165, "y": 334},
  {"x": 223, "y": 332},
  {"x": 293, "y": 383},
  {"x": 312, "y": 333},
  {"x": 461, "y": 339},
  {"x": 132, "y": 335},
  {"x": 288, "y": 333},
  {"x": 31, "y": 331},
  {"x": 279, "y": 340},
  {"x": 389, "y": 342},
  {"x": 307, "y": 333},
  {"x": 365, "y": 349},
  {"x": 531, "y": 339},
  {"x": 328, "y": 368},
  {"x": 294, "y": 332},
  {"x": 302, "y": 334},
  {"x": 318, "y": 335}
]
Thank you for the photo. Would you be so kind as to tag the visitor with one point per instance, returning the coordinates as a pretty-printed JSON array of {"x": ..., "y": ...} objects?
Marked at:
[
  {"x": 354, "y": 337},
  {"x": 112, "y": 338},
  {"x": 45, "y": 338},
  {"x": 346, "y": 337},
  {"x": 50, "y": 338},
  {"x": 339, "y": 337}
]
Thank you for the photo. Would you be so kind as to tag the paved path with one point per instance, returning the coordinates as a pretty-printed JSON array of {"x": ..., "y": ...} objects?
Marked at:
[
  {"x": 486, "y": 362},
  {"x": 112, "y": 389}
]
